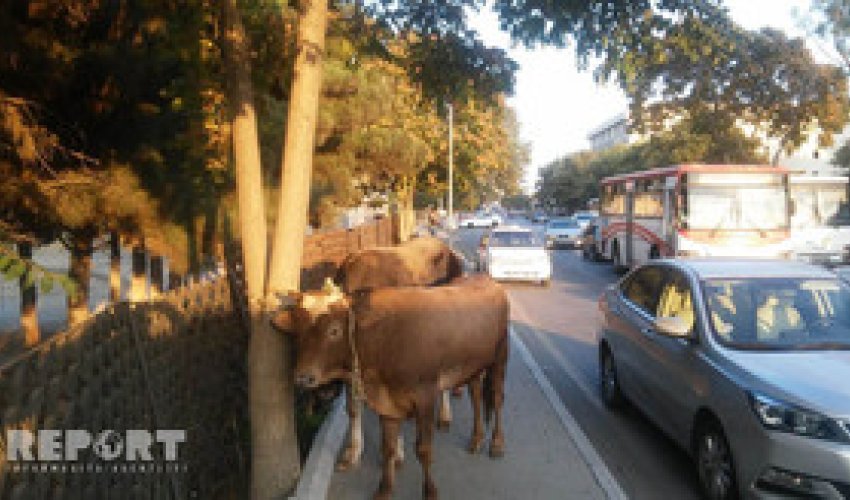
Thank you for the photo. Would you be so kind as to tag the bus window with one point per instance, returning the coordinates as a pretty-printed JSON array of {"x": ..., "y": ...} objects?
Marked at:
[
  {"x": 649, "y": 199},
  {"x": 613, "y": 200}
]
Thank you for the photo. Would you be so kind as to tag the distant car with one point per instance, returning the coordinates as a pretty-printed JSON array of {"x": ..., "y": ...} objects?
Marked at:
[
  {"x": 744, "y": 363},
  {"x": 563, "y": 233},
  {"x": 515, "y": 253},
  {"x": 584, "y": 218},
  {"x": 589, "y": 243},
  {"x": 483, "y": 219},
  {"x": 539, "y": 217}
]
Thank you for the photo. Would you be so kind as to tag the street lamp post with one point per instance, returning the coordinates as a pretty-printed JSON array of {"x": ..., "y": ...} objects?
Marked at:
[{"x": 451, "y": 166}]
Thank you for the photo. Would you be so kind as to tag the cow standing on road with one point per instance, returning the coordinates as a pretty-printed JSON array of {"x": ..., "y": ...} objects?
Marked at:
[
  {"x": 399, "y": 347},
  {"x": 418, "y": 262}
]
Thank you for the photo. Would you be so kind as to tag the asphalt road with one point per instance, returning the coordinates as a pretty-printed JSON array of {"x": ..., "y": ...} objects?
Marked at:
[{"x": 559, "y": 325}]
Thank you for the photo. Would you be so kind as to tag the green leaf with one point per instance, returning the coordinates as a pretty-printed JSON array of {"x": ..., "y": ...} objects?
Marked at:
[
  {"x": 16, "y": 270},
  {"x": 46, "y": 284},
  {"x": 69, "y": 286}
]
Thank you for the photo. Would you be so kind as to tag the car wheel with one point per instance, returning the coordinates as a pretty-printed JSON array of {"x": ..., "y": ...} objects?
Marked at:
[
  {"x": 609, "y": 384},
  {"x": 715, "y": 467},
  {"x": 545, "y": 283},
  {"x": 470, "y": 225}
]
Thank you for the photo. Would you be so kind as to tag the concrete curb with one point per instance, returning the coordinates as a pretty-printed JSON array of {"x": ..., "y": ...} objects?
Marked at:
[
  {"x": 597, "y": 466},
  {"x": 317, "y": 473}
]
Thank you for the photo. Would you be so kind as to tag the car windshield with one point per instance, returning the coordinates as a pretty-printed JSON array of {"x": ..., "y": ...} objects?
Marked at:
[
  {"x": 514, "y": 239},
  {"x": 780, "y": 313},
  {"x": 563, "y": 224}
]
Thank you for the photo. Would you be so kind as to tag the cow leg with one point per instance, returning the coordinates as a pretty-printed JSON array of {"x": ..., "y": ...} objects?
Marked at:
[
  {"x": 424, "y": 440},
  {"x": 352, "y": 453},
  {"x": 399, "y": 450},
  {"x": 445, "y": 411},
  {"x": 475, "y": 396},
  {"x": 499, "y": 369},
  {"x": 389, "y": 445}
]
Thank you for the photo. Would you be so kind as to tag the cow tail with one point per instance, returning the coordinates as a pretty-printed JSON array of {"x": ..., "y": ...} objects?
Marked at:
[{"x": 489, "y": 391}]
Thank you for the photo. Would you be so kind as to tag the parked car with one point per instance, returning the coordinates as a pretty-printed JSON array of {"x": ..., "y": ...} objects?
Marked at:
[
  {"x": 516, "y": 253},
  {"x": 589, "y": 243},
  {"x": 744, "y": 363},
  {"x": 539, "y": 217},
  {"x": 563, "y": 233},
  {"x": 483, "y": 219}
]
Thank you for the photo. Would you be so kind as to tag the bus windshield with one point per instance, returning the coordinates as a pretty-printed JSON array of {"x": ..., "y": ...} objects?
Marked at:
[
  {"x": 735, "y": 201},
  {"x": 820, "y": 205}
]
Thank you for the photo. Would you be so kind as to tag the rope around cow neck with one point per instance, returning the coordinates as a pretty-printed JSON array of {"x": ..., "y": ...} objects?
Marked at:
[{"x": 357, "y": 390}]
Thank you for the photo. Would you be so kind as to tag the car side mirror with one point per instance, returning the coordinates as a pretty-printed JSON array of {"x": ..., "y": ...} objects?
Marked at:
[{"x": 672, "y": 326}]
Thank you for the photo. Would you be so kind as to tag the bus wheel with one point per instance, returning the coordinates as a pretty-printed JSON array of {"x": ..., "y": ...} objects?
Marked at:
[
  {"x": 615, "y": 257},
  {"x": 654, "y": 253}
]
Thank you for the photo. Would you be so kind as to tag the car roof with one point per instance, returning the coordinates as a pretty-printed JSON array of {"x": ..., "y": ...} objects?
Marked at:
[
  {"x": 706, "y": 268},
  {"x": 510, "y": 229}
]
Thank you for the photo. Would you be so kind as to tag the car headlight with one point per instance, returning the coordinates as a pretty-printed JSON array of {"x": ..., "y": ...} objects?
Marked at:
[{"x": 785, "y": 417}]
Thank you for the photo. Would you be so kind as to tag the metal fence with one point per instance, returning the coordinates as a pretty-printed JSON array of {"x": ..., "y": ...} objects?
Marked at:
[{"x": 178, "y": 362}]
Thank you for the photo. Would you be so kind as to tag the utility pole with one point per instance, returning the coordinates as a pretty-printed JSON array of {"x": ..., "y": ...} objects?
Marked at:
[{"x": 451, "y": 167}]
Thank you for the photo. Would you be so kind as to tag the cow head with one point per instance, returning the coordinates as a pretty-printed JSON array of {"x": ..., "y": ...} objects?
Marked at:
[{"x": 318, "y": 323}]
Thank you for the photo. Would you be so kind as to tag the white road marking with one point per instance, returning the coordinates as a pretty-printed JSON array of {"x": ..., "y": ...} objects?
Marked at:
[{"x": 591, "y": 457}]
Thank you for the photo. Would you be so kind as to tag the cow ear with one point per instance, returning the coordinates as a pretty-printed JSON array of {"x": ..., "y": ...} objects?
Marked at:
[{"x": 283, "y": 322}]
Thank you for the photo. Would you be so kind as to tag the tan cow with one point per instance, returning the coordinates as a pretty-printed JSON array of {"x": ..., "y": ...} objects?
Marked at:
[
  {"x": 421, "y": 261},
  {"x": 399, "y": 347}
]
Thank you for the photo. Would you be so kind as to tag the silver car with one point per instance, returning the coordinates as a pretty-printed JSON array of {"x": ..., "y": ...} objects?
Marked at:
[{"x": 745, "y": 364}]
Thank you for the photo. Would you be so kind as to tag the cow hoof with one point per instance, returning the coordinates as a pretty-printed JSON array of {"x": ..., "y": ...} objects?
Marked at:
[
  {"x": 443, "y": 425},
  {"x": 475, "y": 446},
  {"x": 497, "y": 450},
  {"x": 348, "y": 460},
  {"x": 429, "y": 492},
  {"x": 382, "y": 495}
]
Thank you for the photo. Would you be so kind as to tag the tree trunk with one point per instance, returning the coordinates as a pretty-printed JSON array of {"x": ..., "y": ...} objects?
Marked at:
[
  {"x": 157, "y": 281},
  {"x": 288, "y": 248},
  {"x": 291, "y": 224},
  {"x": 80, "y": 273},
  {"x": 29, "y": 300},
  {"x": 139, "y": 278},
  {"x": 274, "y": 447},
  {"x": 114, "y": 267}
]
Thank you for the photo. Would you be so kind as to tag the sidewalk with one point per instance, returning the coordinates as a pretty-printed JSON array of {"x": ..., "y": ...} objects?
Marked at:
[{"x": 541, "y": 458}]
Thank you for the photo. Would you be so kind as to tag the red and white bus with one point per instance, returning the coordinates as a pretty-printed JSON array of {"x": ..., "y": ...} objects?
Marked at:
[{"x": 695, "y": 210}]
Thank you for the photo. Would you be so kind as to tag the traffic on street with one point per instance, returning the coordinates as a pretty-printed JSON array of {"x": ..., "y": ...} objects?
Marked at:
[{"x": 565, "y": 328}]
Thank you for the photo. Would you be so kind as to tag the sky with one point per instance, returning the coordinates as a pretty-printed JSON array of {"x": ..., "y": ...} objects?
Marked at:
[{"x": 557, "y": 105}]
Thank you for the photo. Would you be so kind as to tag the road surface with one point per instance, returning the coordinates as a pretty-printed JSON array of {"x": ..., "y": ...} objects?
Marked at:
[{"x": 559, "y": 325}]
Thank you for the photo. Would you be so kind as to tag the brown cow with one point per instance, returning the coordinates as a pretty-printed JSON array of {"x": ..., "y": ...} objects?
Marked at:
[
  {"x": 421, "y": 261},
  {"x": 403, "y": 346}
]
